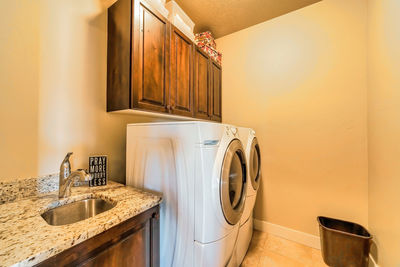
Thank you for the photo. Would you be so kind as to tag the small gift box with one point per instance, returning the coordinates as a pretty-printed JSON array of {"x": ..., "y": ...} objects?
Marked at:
[
  {"x": 205, "y": 38},
  {"x": 213, "y": 53}
]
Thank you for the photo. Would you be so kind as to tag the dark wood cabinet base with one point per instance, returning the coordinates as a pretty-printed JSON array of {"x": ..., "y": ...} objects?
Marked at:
[{"x": 135, "y": 242}]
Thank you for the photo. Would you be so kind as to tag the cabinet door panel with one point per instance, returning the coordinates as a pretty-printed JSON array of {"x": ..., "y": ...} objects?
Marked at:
[
  {"x": 133, "y": 251},
  {"x": 119, "y": 56},
  {"x": 216, "y": 113},
  {"x": 135, "y": 242},
  {"x": 201, "y": 85},
  {"x": 150, "y": 81},
  {"x": 181, "y": 92},
  {"x": 153, "y": 40}
]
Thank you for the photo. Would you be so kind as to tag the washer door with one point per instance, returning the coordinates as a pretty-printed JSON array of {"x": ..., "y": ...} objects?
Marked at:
[
  {"x": 233, "y": 182},
  {"x": 255, "y": 164}
]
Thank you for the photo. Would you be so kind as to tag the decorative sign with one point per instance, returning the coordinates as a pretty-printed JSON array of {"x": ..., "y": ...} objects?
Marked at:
[{"x": 98, "y": 170}]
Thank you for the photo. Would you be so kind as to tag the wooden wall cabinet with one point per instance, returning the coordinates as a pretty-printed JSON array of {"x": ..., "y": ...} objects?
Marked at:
[
  {"x": 152, "y": 66},
  {"x": 150, "y": 77},
  {"x": 133, "y": 243},
  {"x": 181, "y": 89},
  {"x": 202, "y": 79},
  {"x": 207, "y": 87},
  {"x": 216, "y": 92},
  {"x": 138, "y": 57}
]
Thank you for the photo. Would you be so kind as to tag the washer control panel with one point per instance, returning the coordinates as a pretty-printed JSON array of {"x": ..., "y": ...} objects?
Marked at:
[{"x": 230, "y": 130}]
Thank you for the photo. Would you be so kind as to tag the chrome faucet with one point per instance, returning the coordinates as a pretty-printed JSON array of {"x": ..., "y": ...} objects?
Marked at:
[{"x": 67, "y": 177}]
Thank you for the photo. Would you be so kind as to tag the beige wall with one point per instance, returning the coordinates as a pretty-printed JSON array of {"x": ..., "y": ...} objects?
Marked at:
[
  {"x": 384, "y": 128},
  {"x": 300, "y": 81},
  {"x": 72, "y": 109},
  {"x": 54, "y": 97},
  {"x": 19, "y": 87}
]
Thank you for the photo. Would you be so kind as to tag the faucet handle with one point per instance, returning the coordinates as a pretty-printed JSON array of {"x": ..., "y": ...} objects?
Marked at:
[{"x": 88, "y": 176}]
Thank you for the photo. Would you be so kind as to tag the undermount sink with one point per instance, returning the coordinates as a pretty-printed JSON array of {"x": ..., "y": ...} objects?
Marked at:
[{"x": 76, "y": 211}]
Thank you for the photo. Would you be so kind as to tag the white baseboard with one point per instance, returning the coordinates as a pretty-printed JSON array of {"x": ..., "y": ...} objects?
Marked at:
[{"x": 288, "y": 233}]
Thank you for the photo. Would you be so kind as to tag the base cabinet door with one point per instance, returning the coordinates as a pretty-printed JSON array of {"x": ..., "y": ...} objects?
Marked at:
[
  {"x": 181, "y": 59},
  {"x": 134, "y": 250},
  {"x": 216, "y": 90},
  {"x": 133, "y": 243},
  {"x": 201, "y": 85}
]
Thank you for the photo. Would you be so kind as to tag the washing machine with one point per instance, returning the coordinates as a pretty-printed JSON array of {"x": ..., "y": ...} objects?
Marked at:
[
  {"x": 253, "y": 156},
  {"x": 201, "y": 170}
]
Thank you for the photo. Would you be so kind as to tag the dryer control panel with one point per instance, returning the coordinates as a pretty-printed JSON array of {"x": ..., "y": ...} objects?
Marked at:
[{"x": 231, "y": 130}]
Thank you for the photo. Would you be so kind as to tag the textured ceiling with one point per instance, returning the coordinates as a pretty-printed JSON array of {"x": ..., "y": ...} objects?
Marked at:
[{"x": 223, "y": 17}]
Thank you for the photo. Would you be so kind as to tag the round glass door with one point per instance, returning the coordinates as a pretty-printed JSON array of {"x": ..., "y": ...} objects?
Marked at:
[
  {"x": 255, "y": 164},
  {"x": 233, "y": 182}
]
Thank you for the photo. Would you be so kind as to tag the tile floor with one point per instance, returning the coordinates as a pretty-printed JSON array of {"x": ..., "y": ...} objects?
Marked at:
[{"x": 267, "y": 250}]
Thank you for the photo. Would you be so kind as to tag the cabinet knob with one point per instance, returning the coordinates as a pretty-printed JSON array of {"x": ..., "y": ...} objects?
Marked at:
[{"x": 168, "y": 107}]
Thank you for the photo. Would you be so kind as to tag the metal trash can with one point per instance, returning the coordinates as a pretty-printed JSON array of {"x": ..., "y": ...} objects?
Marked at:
[{"x": 344, "y": 244}]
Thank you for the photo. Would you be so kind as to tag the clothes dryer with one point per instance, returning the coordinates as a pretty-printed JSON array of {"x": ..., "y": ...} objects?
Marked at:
[
  {"x": 201, "y": 170},
  {"x": 253, "y": 156}
]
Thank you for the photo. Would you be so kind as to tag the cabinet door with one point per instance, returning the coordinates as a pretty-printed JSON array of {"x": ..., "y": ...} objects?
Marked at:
[
  {"x": 132, "y": 243},
  {"x": 201, "y": 85},
  {"x": 181, "y": 90},
  {"x": 216, "y": 108},
  {"x": 132, "y": 251},
  {"x": 150, "y": 58},
  {"x": 119, "y": 56}
]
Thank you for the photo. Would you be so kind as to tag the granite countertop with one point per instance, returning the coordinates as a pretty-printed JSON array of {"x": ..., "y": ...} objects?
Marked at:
[{"x": 26, "y": 239}]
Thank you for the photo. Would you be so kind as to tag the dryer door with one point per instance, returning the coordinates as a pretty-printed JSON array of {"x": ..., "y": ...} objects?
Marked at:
[
  {"x": 255, "y": 164},
  {"x": 233, "y": 182}
]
